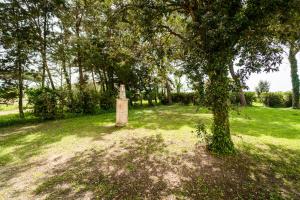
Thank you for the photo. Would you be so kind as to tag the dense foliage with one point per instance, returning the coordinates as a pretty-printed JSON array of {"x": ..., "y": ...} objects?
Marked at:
[
  {"x": 44, "y": 102},
  {"x": 277, "y": 99}
]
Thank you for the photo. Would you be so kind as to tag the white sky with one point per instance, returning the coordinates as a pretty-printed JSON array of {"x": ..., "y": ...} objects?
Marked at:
[{"x": 280, "y": 81}]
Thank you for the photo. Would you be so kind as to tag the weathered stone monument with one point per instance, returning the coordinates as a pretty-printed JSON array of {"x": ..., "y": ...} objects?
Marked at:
[{"x": 122, "y": 108}]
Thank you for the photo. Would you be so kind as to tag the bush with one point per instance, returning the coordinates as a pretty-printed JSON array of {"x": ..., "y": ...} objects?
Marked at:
[
  {"x": 250, "y": 97},
  {"x": 45, "y": 103},
  {"x": 277, "y": 99},
  {"x": 202, "y": 133},
  {"x": 164, "y": 100},
  {"x": 288, "y": 98},
  {"x": 86, "y": 101},
  {"x": 108, "y": 100},
  {"x": 184, "y": 98},
  {"x": 8, "y": 95}
]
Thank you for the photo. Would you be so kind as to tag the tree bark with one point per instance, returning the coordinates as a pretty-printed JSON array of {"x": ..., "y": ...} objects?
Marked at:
[
  {"x": 294, "y": 75},
  {"x": 237, "y": 81},
  {"x": 219, "y": 97}
]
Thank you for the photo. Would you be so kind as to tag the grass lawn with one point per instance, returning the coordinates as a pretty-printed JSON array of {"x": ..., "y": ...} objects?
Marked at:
[
  {"x": 8, "y": 107},
  {"x": 157, "y": 156}
]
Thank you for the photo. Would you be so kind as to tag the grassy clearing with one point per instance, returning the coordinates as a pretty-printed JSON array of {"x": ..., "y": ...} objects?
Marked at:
[
  {"x": 157, "y": 156},
  {"x": 8, "y": 107}
]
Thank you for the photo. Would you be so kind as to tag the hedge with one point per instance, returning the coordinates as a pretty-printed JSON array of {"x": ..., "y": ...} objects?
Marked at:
[{"x": 277, "y": 99}]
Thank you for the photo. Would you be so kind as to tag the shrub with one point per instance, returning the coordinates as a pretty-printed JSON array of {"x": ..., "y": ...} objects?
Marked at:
[
  {"x": 250, "y": 97},
  {"x": 108, "y": 100},
  {"x": 86, "y": 101},
  {"x": 8, "y": 94},
  {"x": 288, "y": 98},
  {"x": 164, "y": 100},
  {"x": 45, "y": 103},
  {"x": 183, "y": 98},
  {"x": 203, "y": 134},
  {"x": 277, "y": 99}
]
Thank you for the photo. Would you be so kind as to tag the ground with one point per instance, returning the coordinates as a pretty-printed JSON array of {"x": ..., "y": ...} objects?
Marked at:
[{"x": 157, "y": 156}]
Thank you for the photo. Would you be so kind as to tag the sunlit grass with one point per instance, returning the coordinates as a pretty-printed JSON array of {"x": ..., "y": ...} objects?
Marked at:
[{"x": 8, "y": 107}]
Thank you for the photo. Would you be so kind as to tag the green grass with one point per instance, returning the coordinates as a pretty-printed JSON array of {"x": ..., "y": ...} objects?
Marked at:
[
  {"x": 13, "y": 119},
  {"x": 8, "y": 107},
  {"x": 156, "y": 156}
]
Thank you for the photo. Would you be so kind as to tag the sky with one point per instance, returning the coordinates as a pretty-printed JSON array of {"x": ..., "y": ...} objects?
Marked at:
[{"x": 280, "y": 81}]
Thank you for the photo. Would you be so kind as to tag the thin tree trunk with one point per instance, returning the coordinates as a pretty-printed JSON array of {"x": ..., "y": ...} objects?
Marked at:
[
  {"x": 93, "y": 77},
  {"x": 156, "y": 92},
  {"x": 201, "y": 90},
  {"x": 141, "y": 98},
  {"x": 44, "y": 51},
  {"x": 150, "y": 103},
  {"x": 294, "y": 75},
  {"x": 79, "y": 61},
  {"x": 102, "y": 80},
  {"x": 169, "y": 95},
  {"x": 20, "y": 83},
  {"x": 219, "y": 97},
  {"x": 237, "y": 81},
  {"x": 43, "y": 76},
  {"x": 45, "y": 66},
  {"x": 67, "y": 77}
]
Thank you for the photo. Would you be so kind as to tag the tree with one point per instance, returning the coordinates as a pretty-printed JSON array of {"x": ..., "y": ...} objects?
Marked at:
[
  {"x": 262, "y": 87},
  {"x": 288, "y": 34},
  {"x": 41, "y": 16},
  {"x": 294, "y": 49},
  {"x": 217, "y": 32},
  {"x": 16, "y": 37}
]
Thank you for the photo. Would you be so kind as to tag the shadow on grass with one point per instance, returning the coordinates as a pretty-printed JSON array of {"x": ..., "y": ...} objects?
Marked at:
[
  {"x": 23, "y": 142},
  {"x": 129, "y": 173},
  {"x": 143, "y": 169}
]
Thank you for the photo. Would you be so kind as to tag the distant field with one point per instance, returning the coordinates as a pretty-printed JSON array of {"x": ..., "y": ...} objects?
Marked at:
[{"x": 157, "y": 156}]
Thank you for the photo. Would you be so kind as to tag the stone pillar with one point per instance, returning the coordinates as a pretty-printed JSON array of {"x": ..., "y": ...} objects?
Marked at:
[{"x": 122, "y": 108}]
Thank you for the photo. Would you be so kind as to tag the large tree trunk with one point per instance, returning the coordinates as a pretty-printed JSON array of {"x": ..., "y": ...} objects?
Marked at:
[
  {"x": 237, "y": 81},
  {"x": 294, "y": 75},
  {"x": 219, "y": 97}
]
